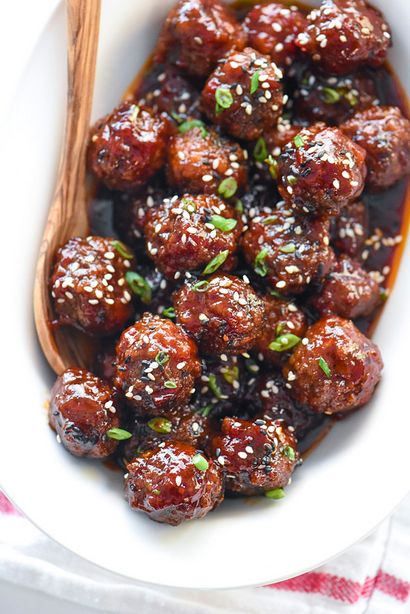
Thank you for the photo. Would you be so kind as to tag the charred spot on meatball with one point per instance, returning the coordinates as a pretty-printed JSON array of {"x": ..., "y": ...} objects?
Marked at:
[
  {"x": 257, "y": 456},
  {"x": 222, "y": 313},
  {"x": 344, "y": 35},
  {"x": 348, "y": 291},
  {"x": 128, "y": 146},
  {"x": 156, "y": 367},
  {"x": 83, "y": 409},
  {"x": 173, "y": 483},
  {"x": 287, "y": 249},
  {"x": 272, "y": 29},
  {"x": 244, "y": 94},
  {"x": 196, "y": 34},
  {"x": 88, "y": 285},
  {"x": 284, "y": 327},
  {"x": 384, "y": 134},
  {"x": 201, "y": 161},
  {"x": 187, "y": 233},
  {"x": 335, "y": 368},
  {"x": 321, "y": 170}
]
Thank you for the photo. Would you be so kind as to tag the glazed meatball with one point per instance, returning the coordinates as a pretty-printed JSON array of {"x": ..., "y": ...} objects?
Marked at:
[
  {"x": 348, "y": 291},
  {"x": 83, "y": 408},
  {"x": 128, "y": 146},
  {"x": 167, "y": 91},
  {"x": 275, "y": 403},
  {"x": 335, "y": 368},
  {"x": 349, "y": 230},
  {"x": 196, "y": 34},
  {"x": 173, "y": 483},
  {"x": 384, "y": 133},
  {"x": 200, "y": 161},
  {"x": 321, "y": 169},
  {"x": 88, "y": 285},
  {"x": 257, "y": 456},
  {"x": 157, "y": 366},
  {"x": 345, "y": 34},
  {"x": 186, "y": 234},
  {"x": 284, "y": 327},
  {"x": 288, "y": 249},
  {"x": 244, "y": 95},
  {"x": 272, "y": 29},
  {"x": 330, "y": 99},
  {"x": 223, "y": 314}
]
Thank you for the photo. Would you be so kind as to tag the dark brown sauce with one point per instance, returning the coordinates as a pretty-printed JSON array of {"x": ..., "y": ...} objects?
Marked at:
[{"x": 389, "y": 211}]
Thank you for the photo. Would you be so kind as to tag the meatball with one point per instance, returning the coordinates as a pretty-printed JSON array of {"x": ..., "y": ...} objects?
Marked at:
[
  {"x": 167, "y": 91},
  {"x": 346, "y": 34},
  {"x": 321, "y": 169},
  {"x": 276, "y": 404},
  {"x": 157, "y": 366},
  {"x": 349, "y": 230},
  {"x": 200, "y": 161},
  {"x": 128, "y": 146},
  {"x": 277, "y": 138},
  {"x": 83, "y": 409},
  {"x": 244, "y": 95},
  {"x": 196, "y": 34},
  {"x": 88, "y": 285},
  {"x": 284, "y": 327},
  {"x": 173, "y": 483},
  {"x": 272, "y": 29},
  {"x": 384, "y": 133},
  {"x": 186, "y": 234},
  {"x": 288, "y": 249},
  {"x": 257, "y": 456},
  {"x": 332, "y": 99},
  {"x": 223, "y": 314},
  {"x": 348, "y": 291},
  {"x": 335, "y": 368}
]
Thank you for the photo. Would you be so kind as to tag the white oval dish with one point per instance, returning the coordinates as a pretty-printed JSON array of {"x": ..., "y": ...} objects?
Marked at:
[{"x": 346, "y": 487}]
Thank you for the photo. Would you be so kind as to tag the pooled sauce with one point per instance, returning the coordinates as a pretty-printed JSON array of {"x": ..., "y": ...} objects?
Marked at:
[{"x": 388, "y": 210}]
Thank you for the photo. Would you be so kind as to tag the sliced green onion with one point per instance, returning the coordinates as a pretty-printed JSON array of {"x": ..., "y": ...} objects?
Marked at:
[
  {"x": 239, "y": 206},
  {"x": 118, "y": 434},
  {"x": 122, "y": 249},
  {"x": 200, "y": 462},
  {"x": 213, "y": 385},
  {"x": 330, "y": 95},
  {"x": 170, "y": 384},
  {"x": 271, "y": 219},
  {"x": 273, "y": 166},
  {"x": 289, "y": 248},
  {"x": 255, "y": 81},
  {"x": 224, "y": 224},
  {"x": 276, "y": 493},
  {"x": 260, "y": 151},
  {"x": 259, "y": 265},
  {"x": 139, "y": 286},
  {"x": 289, "y": 452},
  {"x": 230, "y": 374},
  {"x": 291, "y": 179},
  {"x": 205, "y": 411},
  {"x": 162, "y": 358},
  {"x": 169, "y": 312},
  {"x": 224, "y": 99},
  {"x": 216, "y": 262},
  {"x": 298, "y": 141},
  {"x": 284, "y": 342},
  {"x": 160, "y": 425},
  {"x": 200, "y": 286},
  {"x": 156, "y": 492},
  {"x": 324, "y": 366},
  {"x": 277, "y": 294},
  {"x": 193, "y": 123},
  {"x": 228, "y": 187},
  {"x": 351, "y": 98}
]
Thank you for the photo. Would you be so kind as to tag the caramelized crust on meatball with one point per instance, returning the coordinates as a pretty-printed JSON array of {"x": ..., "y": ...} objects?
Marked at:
[
  {"x": 345, "y": 34},
  {"x": 157, "y": 366},
  {"x": 336, "y": 369},
  {"x": 349, "y": 230},
  {"x": 128, "y": 146},
  {"x": 348, "y": 291},
  {"x": 321, "y": 169},
  {"x": 284, "y": 326},
  {"x": 185, "y": 234},
  {"x": 172, "y": 483},
  {"x": 257, "y": 456},
  {"x": 83, "y": 408},
  {"x": 244, "y": 95},
  {"x": 196, "y": 34},
  {"x": 223, "y": 314},
  {"x": 88, "y": 285},
  {"x": 288, "y": 249},
  {"x": 272, "y": 29},
  {"x": 384, "y": 133},
  {"x": 201, "y": 161}
]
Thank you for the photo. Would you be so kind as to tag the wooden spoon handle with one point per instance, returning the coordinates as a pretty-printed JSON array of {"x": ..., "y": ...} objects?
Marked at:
[{"x": 67, "y": 215}]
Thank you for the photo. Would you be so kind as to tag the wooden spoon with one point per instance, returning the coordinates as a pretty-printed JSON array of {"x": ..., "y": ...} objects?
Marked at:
[{"x": 67, "y": 215}]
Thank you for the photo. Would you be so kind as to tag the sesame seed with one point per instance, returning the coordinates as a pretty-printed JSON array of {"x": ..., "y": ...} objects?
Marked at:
[
  {"x": 181, "y": 365},
  {"x": 242, "y": 455},
  {"x": 178, "y": 480},
  {"x": 207, "y": 178}
]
